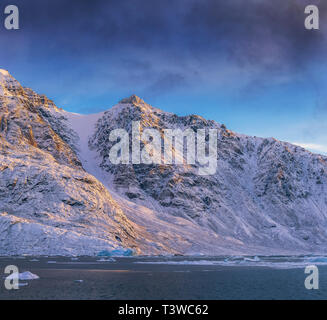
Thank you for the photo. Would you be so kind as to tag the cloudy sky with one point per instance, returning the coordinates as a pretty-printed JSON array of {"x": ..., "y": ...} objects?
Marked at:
[{"x": 249, "y": 64}]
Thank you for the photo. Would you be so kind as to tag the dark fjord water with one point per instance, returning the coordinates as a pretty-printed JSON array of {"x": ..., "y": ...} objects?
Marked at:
[{"x": 165, "y": 278}]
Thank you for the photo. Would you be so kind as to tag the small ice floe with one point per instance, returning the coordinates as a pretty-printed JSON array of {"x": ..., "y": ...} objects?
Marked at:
[
  {"x": 255, "y": 259},
  {"x": 80, "y": 281},
  {"x": 107, "y": 260},
  {"x": 27, "y": 275},
  {"x": 241, "y": 259},
  {"x": 52, "y": 261},
  {"x": 116, "y": 253},
  {"x": 74, "y": 259},
  {"x": 184, "y": 262},
  {"x": 34, "y": 260}
]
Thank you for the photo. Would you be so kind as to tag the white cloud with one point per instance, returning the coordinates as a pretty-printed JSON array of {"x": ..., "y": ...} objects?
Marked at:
[{"x": 317, "y": 148}]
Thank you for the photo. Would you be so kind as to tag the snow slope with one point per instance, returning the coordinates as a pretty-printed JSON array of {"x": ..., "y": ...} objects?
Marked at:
[{"x": 266, "y": 196}]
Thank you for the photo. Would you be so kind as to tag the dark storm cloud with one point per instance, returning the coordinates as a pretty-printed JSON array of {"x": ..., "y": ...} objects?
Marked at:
[
  {"x": 193, "y": 25},
  {"x": 252, "y": 31},
  {"x": 164, "y": 45}
]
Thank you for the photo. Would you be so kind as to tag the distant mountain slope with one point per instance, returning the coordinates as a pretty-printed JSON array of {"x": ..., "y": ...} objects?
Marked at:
[
  {"x": 60, "y": 194},
  {"x": 265, "y": 192}
]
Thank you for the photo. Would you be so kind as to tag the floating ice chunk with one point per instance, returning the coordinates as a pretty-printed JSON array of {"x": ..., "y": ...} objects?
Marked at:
[
  {"x": 79, "y": 281},
  {"x": 116, "y": 253},
  {"x": 27, "y": 275},
  {"x": 184, "y": 262},
  {"x": 74, "y": 259},
  {"x": 52, "y": 261},
  {"x": 34, "y": 260},
  {"x": 241, "y": 259},
  {"x": 107, "y": 260},
  {"x": 255, "y": 259},
  {"x": 23, "y": 276}
]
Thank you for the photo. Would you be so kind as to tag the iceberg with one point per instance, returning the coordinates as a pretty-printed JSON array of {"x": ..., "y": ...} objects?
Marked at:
[
  {"x": 23, "y": 276},
  {"x": 116, "y": 253},
  {"x": 255, "y": 259},
  {"x": 107, "y": 260}
]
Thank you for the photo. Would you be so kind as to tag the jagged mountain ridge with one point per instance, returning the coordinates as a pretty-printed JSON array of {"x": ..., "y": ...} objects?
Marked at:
[
  {"x": 48, "y": 203},
  {"x": 266, "y": 197},
  {"x": 265, "y": 192}
]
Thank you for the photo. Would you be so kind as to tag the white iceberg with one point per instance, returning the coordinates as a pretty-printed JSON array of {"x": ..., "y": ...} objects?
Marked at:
[
  {"x": 116, "y": 253},
  {"x": 255, "y": 259},
  {"x": 27, "y": 275},
  {"x": 107, "y": 260}
]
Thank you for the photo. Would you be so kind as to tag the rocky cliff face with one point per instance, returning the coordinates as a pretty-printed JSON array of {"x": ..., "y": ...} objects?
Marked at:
[
  {"x": 33, "y": 120},
  {"x": 60, "y": 194},
  {"x": 48, "y": 203},
  {"x": 265, "y": 192}
]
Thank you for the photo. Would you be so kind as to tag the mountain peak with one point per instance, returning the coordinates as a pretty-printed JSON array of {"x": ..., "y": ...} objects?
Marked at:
[
  {"x": 4, "y": 72},
  {"x": 133, "y": 99},
  {"x": 7, "y": 83},
  {"x": 5, "y": 76}
]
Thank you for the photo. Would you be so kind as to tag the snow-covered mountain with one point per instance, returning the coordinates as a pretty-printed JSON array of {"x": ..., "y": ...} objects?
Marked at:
[{"x": 60, "y": 194}]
